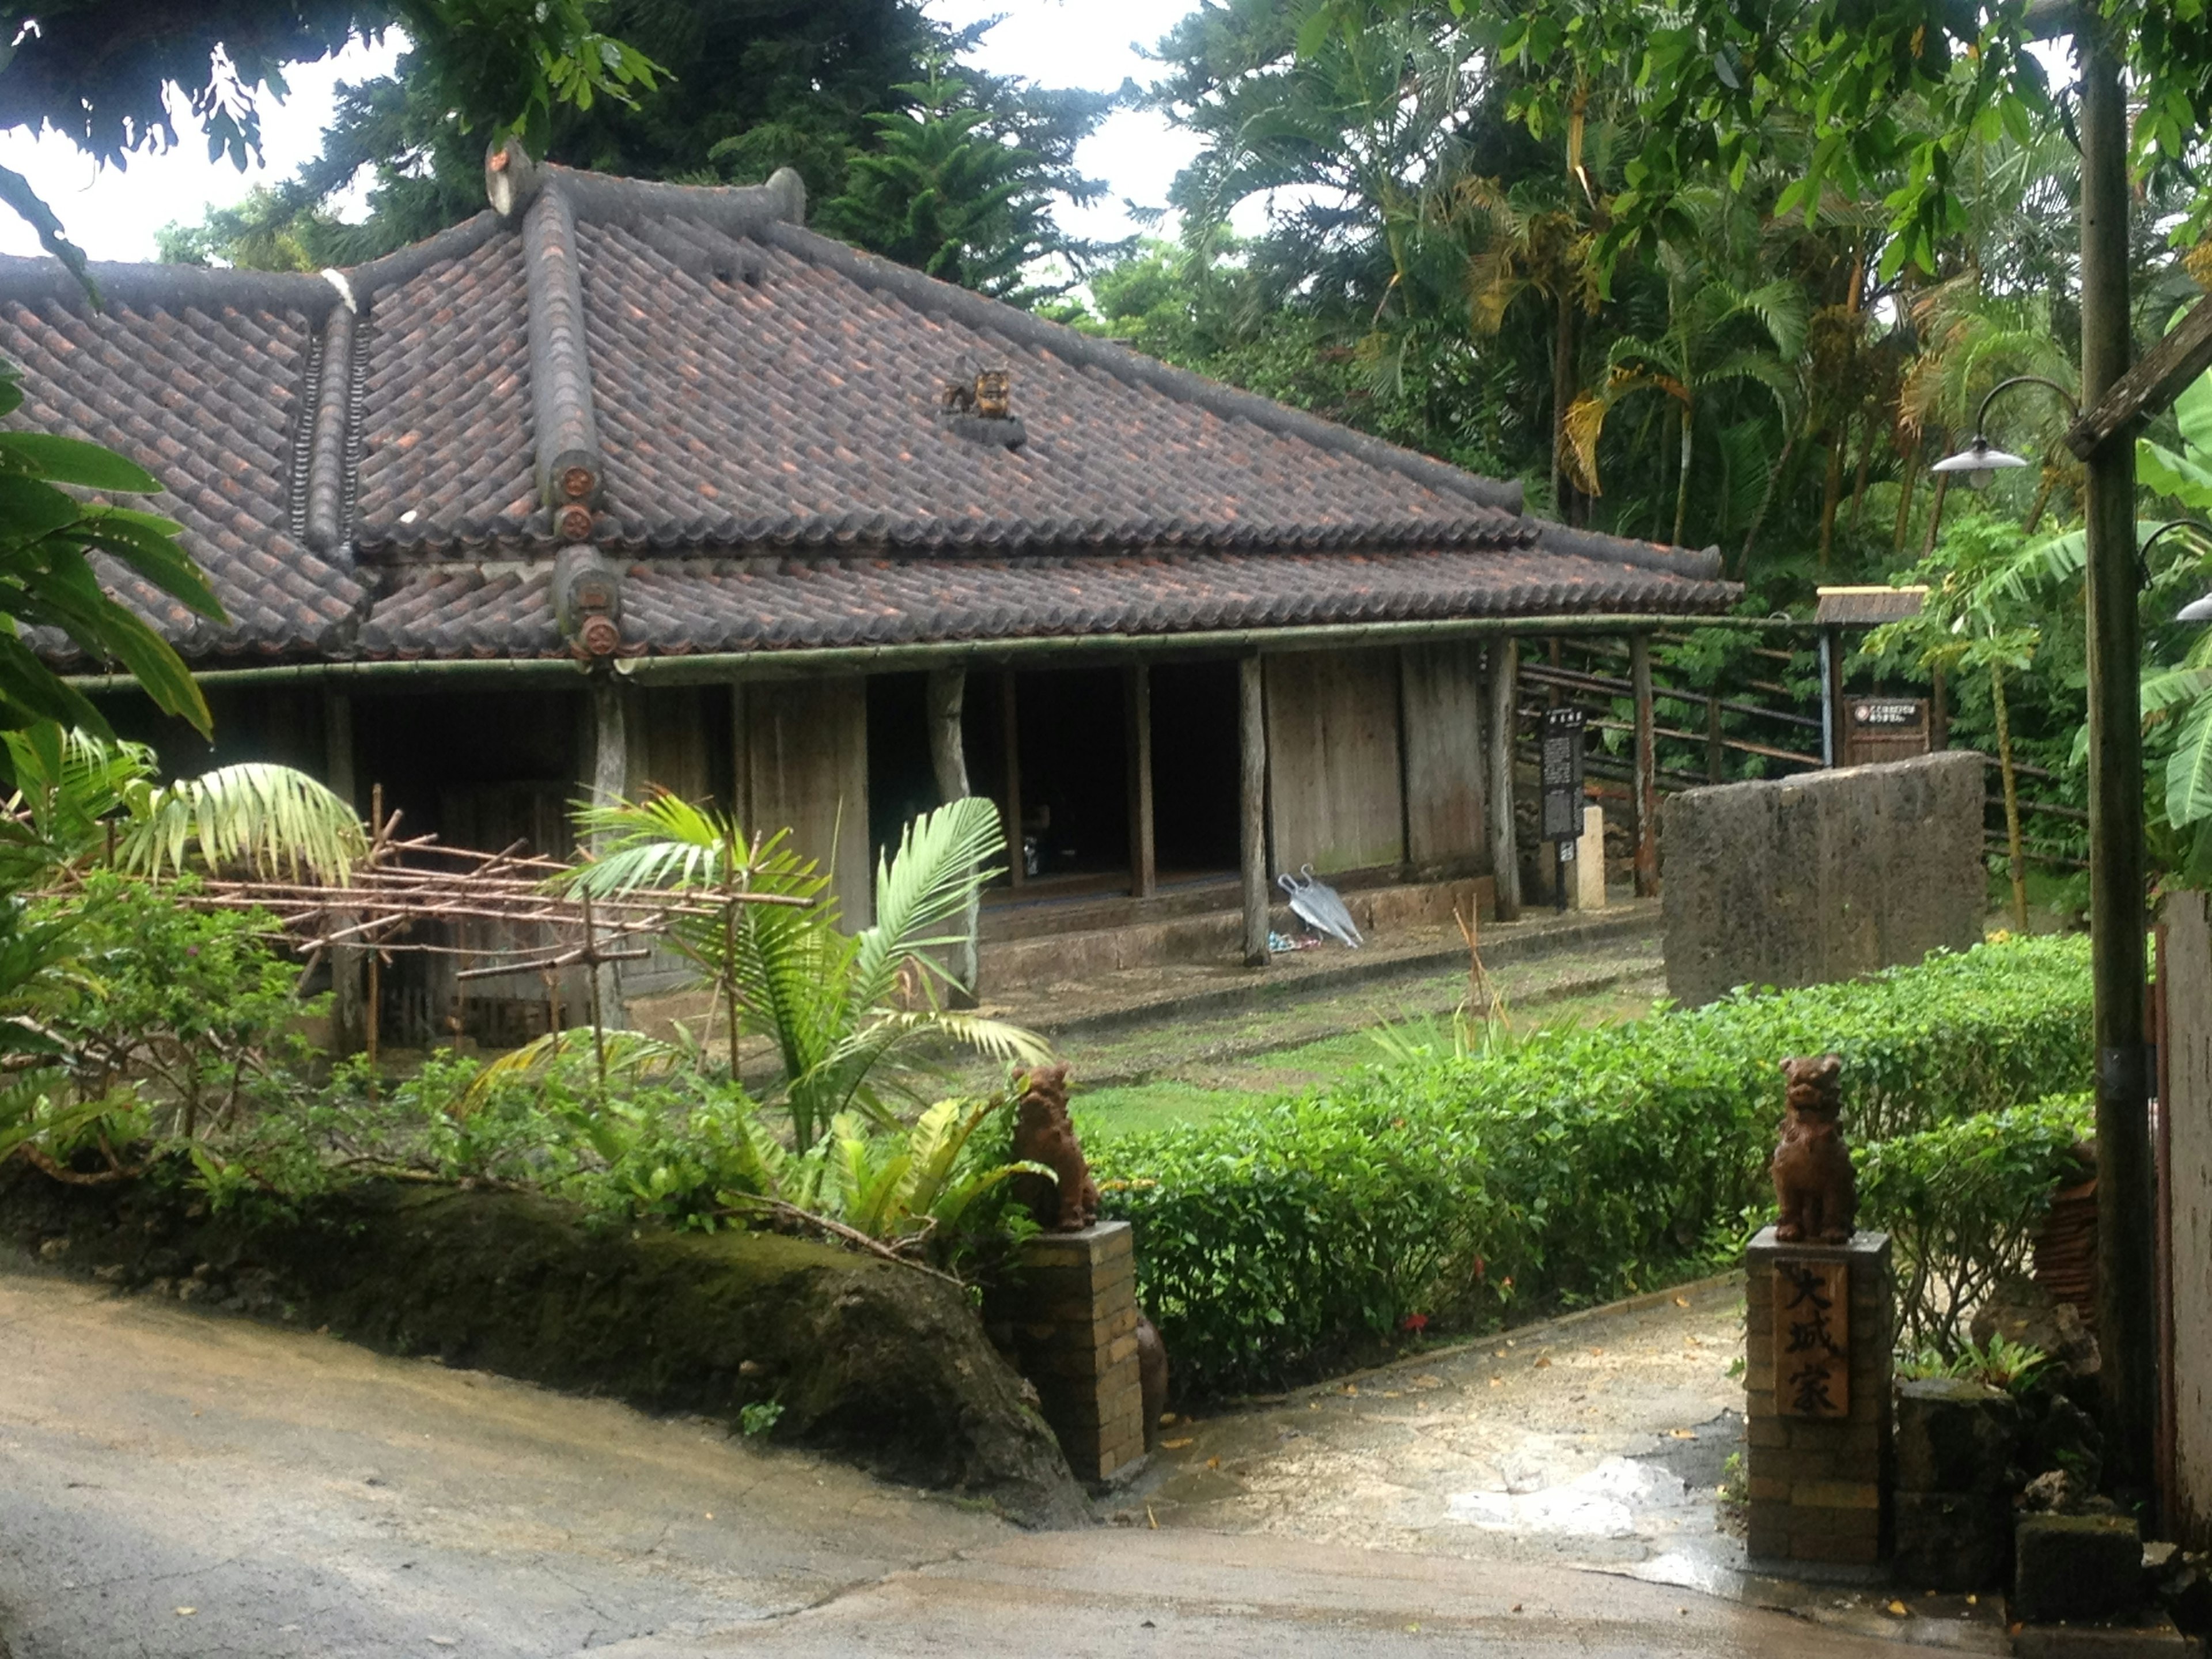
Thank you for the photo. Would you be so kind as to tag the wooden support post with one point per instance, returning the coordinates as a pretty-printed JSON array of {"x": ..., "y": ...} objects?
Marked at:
[
  {"x": 946, "y": 697},
  {"x": 610, "y": 784},
  {"x": 1832, "y": 696},
  {"x": 1647, "y": 767},
  {"x": 1252, "y": 728},
  {"x": 1716, "y": 750},
  {"x": 1504, "y": 722},
  {"x": 1010, "y": 730},
  {"x": 1144, "y": 869},
  {"x": 349, "y": 1014},
  {"x": 2127, "y": 1322}
]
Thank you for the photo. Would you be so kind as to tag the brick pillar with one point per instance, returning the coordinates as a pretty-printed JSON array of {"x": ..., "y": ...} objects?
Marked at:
[
  {"x": 1820, "y": 1481},
  {"x": 1074, "y": 1324}
]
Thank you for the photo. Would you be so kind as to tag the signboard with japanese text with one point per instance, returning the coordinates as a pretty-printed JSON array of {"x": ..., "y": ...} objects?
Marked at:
[
  {"x": 1812, "y": 1337},
  {"x": 1559, "y": 759}
]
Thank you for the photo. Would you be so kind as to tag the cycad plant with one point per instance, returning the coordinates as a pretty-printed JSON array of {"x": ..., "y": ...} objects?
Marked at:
[{"x": 836, "y": 1007}]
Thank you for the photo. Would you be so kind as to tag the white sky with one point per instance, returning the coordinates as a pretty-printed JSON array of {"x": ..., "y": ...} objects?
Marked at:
[{"x": 114, "y": 213}]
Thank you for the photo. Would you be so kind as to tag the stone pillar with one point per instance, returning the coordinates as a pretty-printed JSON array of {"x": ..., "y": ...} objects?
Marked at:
[
  {"x": 1073, "y": 1327},
  {"x": 1817, "y": 1398},
  {"x": 1586, "y": 870}
]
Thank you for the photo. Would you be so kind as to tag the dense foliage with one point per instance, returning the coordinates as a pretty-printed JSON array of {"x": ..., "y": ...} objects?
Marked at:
[
  {"x": 1278, "y": 1240},
  {"x": 905, "y": 149},
  {"x": 1961, "y": 1202}
]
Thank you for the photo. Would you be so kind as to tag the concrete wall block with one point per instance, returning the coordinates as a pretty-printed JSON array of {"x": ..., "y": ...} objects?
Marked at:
[{"x": 1822, "y": 876}]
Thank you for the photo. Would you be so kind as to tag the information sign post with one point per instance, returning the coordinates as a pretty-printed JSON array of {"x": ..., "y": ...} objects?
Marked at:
[{"x": 1559, "y": 814}]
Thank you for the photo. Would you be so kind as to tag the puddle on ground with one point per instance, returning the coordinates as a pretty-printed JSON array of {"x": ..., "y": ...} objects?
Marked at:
[{"x": 1621, "y": 1498}]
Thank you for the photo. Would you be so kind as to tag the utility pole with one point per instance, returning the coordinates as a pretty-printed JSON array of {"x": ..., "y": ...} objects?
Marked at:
[{"x": 2126, "y": 1295}]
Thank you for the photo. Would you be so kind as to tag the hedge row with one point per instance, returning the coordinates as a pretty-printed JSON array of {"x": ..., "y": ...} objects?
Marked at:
[{"x": 1281, "y": 1239}]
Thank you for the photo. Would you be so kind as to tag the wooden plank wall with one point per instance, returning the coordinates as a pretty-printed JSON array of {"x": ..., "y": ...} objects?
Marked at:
[
  {"x": 668, "y": 741},
  {"x": 805, "y": 763},
  {"x": 1334, "y": 793},
  {"x": 2186, "y": 1066},
  {"x": 1443, "y": 714}
]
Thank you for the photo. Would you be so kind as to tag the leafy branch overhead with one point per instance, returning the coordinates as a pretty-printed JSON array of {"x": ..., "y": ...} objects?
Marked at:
[{"x": 49, "y": 534}]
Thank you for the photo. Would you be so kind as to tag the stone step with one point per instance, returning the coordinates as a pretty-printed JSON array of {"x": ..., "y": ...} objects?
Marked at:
[
  {"x": 1110, "y": 1002},
  {"x": 1075, "y": 952}
]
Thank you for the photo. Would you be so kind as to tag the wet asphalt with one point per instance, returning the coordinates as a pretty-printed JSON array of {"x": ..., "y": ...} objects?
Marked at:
[{"x": 175, "y": 1485}]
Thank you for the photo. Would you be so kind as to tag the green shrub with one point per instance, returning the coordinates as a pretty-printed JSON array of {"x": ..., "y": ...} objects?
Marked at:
[
  {"x": 1961, "y": 1203},
  {"x": 1278, "y": 1240}
]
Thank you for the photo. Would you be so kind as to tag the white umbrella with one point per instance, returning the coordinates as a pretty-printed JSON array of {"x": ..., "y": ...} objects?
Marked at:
[{"x": 1316, "y": 904}]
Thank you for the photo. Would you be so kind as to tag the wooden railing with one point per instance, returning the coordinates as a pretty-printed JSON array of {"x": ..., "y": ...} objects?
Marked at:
[{"x": 1753, "y": 726}]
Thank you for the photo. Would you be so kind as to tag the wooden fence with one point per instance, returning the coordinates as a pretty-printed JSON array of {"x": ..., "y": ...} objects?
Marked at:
[{"x": 1754, "y": 723}]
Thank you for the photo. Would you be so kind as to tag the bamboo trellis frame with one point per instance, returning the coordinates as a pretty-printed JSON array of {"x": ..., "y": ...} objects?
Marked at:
[{"x": 419, "y": 879}]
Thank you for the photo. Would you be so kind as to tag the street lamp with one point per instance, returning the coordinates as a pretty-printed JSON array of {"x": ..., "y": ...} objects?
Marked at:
[
  {"x": 1981, "y": 460},
  {"x": 2197, "y": 611}
]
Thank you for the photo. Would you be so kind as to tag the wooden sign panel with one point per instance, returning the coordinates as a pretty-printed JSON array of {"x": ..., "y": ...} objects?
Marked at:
[
  {"x": 1877, "y": 729},
  {"x": 1812, "y": 1337}
]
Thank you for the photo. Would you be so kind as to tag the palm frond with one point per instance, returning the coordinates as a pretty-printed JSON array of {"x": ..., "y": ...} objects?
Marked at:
[
  {"x": 627, "y": 1052},
  {"x": 926, "y": 884},
  {"x": 272, "y": 820}
]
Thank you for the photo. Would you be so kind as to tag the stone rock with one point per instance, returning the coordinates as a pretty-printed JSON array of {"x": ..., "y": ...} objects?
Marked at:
[
  {"x": 2023, "y": 1311},
  {"x": 2064, "y": 1437},
  {"x": 2079, "y": 1568},
  {"x": 1956, "y": 1436},
  {"x": 2053, "y": 1492},
  {"x": 1954, "y": 1542}
]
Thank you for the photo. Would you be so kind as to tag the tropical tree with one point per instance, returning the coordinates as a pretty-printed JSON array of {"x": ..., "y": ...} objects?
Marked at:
[
  {"x": 1981, "y": 617},
  {"x": 951, "y": 189},
  {"x": 844, "y": 1014},
  {"x": 1719, "y": 331}
]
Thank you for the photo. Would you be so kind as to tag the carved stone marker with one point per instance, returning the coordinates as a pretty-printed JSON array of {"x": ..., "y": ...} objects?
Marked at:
[{"x": 1817, "y": 1398}]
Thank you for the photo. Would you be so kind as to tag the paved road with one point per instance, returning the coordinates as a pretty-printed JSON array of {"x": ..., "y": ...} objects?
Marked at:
[{"x": 175, "y": 1484}]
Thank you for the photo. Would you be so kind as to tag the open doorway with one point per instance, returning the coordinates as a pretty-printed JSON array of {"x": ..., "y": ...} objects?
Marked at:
[
  {"x": 1196, "y": 769},
  {"x": 901, "y": 779},
  {"x": 1066, "y": 768}
]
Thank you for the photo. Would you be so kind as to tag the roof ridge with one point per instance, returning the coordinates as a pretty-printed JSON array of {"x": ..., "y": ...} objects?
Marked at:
[{"x": 152, "y": 285}]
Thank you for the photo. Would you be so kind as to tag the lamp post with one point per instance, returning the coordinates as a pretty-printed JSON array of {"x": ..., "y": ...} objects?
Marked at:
[
  {"x": 2126, "y": 1189},
  {"x": 1981, "y": 460}
]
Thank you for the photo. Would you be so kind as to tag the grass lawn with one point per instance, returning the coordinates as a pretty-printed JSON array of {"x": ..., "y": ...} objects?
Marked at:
[{"x": 1198, "y": 1091}]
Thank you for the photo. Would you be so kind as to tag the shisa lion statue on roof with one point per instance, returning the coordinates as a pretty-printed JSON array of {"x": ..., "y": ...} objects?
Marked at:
[{"x": 1812, "y": 1178}]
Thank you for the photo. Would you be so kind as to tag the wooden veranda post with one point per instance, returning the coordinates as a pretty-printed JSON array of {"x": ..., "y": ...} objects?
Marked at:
[
  {"x": 946, "y": 698},
  {"x": 349, "y": 1027},
  {"x": 1144, "y": 872},
  {"x": 1504, "y": 721},
  {"x": 610, "y": 784},
  {"x": 1647, "y": 767},
  {"x": 1252, "y": 805}
]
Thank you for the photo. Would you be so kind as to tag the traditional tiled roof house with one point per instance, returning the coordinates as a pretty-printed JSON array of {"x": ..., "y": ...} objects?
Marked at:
[{"x": 623, "y": 484}]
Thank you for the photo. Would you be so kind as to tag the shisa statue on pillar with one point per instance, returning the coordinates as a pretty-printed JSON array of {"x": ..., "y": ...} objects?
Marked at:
[{"x": 1812, "y": 1178}]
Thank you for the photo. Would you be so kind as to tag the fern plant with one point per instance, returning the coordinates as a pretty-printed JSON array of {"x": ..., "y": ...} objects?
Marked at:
[{"x": 837, "y": 1008}]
